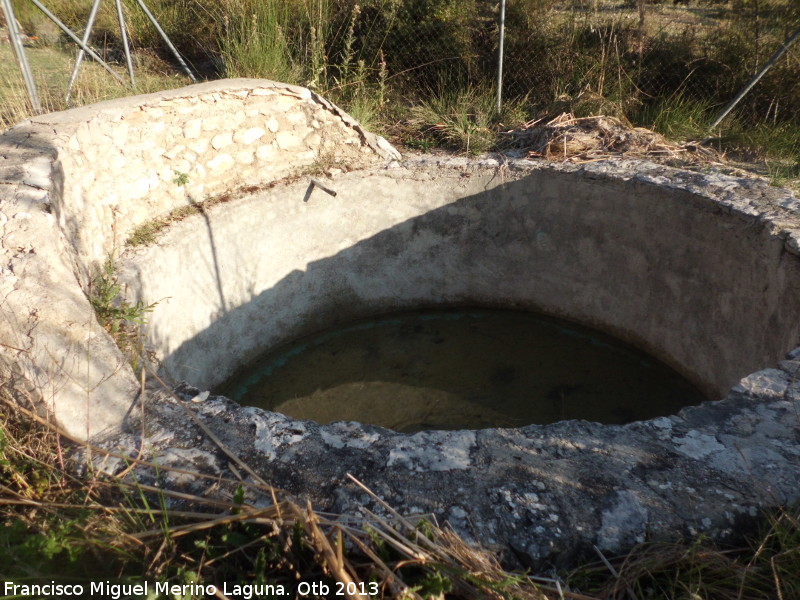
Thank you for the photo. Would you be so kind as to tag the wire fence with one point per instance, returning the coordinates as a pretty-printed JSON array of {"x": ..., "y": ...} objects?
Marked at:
[
  {"x": 613, "y": 56},
  {"x": 599, "y": 52}
]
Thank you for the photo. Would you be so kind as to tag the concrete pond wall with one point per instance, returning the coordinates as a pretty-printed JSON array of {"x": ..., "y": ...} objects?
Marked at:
[
  {"x": 628, "y": 248},
  {"x": 75, "y": 184},
  {"x": 699, "y": 269}
]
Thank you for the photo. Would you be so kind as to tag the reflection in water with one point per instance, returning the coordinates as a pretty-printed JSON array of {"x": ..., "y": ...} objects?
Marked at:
[{"x": 462, "y": 369}]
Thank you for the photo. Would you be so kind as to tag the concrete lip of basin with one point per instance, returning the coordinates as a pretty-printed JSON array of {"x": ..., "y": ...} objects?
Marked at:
[
  {"x": 673, "y": 261},
  {"x": 699, "y": 269}
]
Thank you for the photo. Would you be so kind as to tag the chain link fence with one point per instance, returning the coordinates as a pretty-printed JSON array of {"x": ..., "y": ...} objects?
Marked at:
[
  {"x": 620, "y": 57},
  {"x": 608, "y": 55}
]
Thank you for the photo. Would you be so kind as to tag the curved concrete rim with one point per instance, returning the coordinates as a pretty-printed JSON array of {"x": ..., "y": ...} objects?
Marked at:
[
  {"x": 74, "y": 185},
  {"x": 636, "y": 250},
  {"x": 539, "y": 493}
]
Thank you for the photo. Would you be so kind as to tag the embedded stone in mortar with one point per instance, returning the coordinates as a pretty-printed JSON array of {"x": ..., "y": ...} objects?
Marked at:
[
  {"x": 539, "y": 494},
  {"x": 74, "y": 184}
]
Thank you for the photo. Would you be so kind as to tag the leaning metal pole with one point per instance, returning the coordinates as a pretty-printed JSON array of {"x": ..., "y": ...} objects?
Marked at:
[
  {"x": 780, "y": 52},
  {"x": 81, "y": 53},
  {"x": 124, "y": 34},
  {"x": 19, "y": 52},
  {"x": 500, "y": 56},
  {"x": 166, "y": 39},
  {"x": 76, "y": 39}
]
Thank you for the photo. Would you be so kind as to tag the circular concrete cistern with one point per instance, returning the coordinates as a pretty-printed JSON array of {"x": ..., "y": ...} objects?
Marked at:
[
  {"x": 699, "y": 270},
  {"x": 665, "y": 260}
]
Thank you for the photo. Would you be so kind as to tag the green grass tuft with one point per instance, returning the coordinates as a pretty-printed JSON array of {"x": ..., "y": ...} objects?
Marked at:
[
  {"x": 459, "y": 120},
  {"x": 676, "y": 117}
]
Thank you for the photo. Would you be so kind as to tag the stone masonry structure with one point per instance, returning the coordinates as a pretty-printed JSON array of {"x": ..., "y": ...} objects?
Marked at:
[
  {"x": 74, "y": 184},
  {"x": 702, "y": 270}
]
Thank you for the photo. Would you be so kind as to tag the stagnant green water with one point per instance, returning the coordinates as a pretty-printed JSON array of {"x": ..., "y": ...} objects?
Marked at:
[{"x": 462, "y": 369}]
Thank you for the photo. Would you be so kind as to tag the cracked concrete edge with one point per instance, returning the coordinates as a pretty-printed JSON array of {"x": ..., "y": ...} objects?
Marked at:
[{"x": 538, "y": 495}]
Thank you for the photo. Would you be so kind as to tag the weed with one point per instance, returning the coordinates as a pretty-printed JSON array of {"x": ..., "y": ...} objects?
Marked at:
[
  {"x": 365, "y": 109},
  {"x": 677, "y": 117},
  {"x": 180, "y": 178},
  {"x": 422, "y": 143},
  {"x": 461, "y": 120},
  {"x": 780, "y": 141},
  {"x": 771, "y": 148},
  {"x": 464, "y": 120},
  {"x": 147, "y": 233},
  {"x": 254, "y": 43},
  {"x": 122, "y": 320},
  {"x": 783, "y": 173},
  {"x": 433, "y": 584},
  {"x": 105, "y": 294}
]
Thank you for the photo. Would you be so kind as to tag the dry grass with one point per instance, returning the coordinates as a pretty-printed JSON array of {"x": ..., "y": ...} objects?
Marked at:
[
  {"x": 56, "y": 526},
  {"x": 51, "y": 68},
  {"x": 585, "y": 139},
  {"x": 670, "y": 74},
  {"x": 768, "y": 568},
  {"x": 63, "y": 525}
]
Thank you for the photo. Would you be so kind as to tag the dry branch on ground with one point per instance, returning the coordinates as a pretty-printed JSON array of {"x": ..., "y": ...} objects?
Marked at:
[{"x": 582, "y": 139}]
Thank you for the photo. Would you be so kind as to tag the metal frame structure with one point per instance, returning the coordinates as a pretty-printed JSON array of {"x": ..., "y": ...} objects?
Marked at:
[{"x": 83, "y": 44}]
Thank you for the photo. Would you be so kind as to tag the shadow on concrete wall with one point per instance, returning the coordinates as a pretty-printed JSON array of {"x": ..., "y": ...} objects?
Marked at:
[{"x": 561, "y": 253}]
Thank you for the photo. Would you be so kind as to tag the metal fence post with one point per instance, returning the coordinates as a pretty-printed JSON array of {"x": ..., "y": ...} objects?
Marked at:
[
  {"x": 19, "y": 51},
  {"x": 167, "y": 41},
  {"x": 124, "y": 35},
  {"x": 77, "y": 40},
  {"x": 501, "y": 43},
  {"x": 86, "y": 35}
]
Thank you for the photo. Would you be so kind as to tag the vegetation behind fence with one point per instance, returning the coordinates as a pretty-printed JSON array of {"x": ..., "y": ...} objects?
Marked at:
[{"x": 670, "y": 65}]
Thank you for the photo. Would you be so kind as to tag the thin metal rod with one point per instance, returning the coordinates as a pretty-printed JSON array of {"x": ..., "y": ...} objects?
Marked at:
[
  {"x": 19, "y": 52},
  {"x": 124, "y": 34},
  {"x": 501, "y": 44},
  {"x": 75, "y": 39},
  {"x": 323, "y": 187},
  {"x": 81, "y": 53},
  {"x": 166, "y": 39},
  {"x": 784, "y": 47}
]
